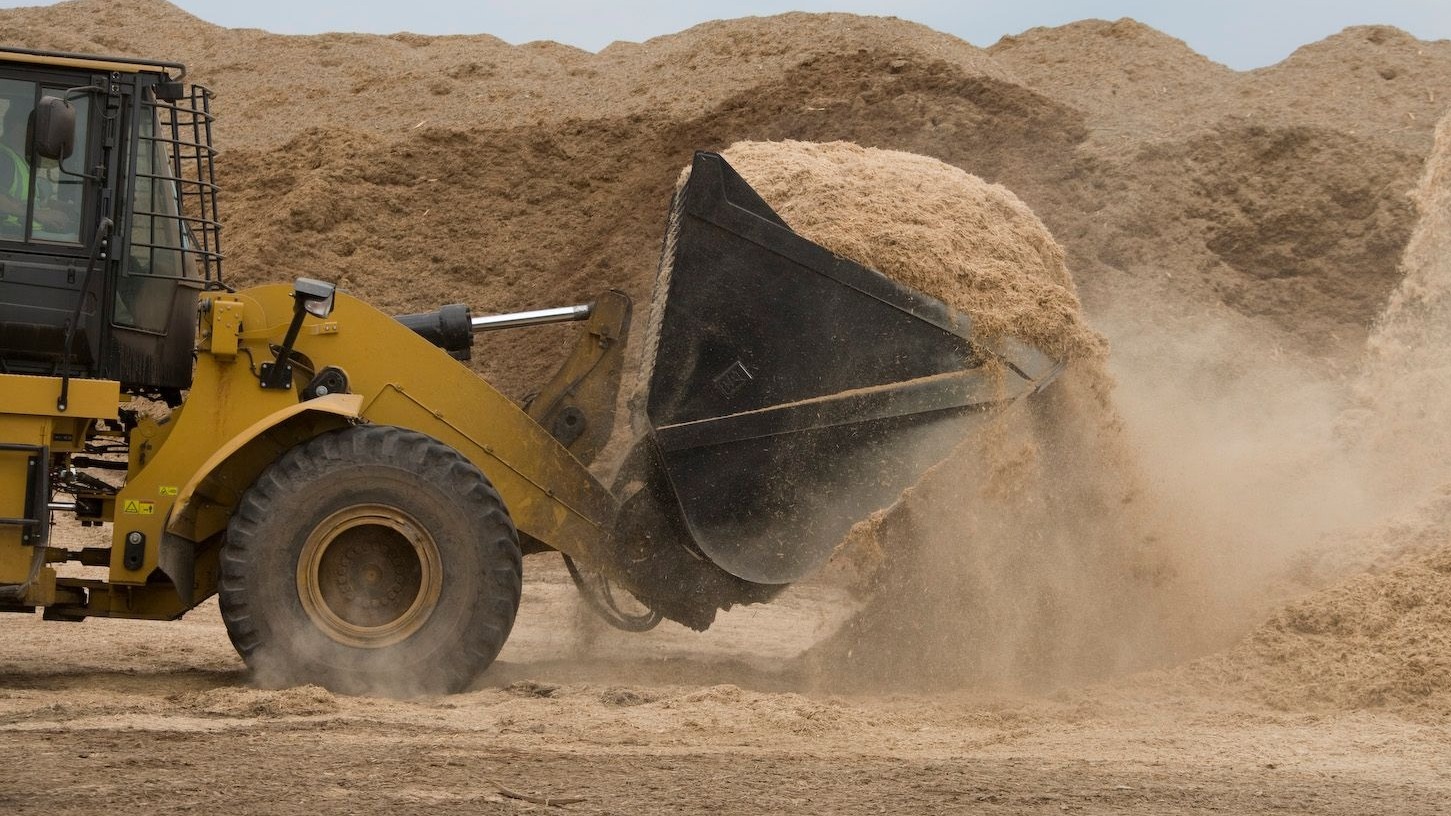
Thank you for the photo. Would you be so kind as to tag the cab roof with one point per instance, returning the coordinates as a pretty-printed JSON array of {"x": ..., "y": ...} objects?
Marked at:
[{"x": 64, "y": 59}]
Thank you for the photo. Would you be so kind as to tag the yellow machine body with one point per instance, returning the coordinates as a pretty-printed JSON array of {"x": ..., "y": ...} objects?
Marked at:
[
  {"x": 32, "y": 429},
  {"x": 187, "y": 473}
]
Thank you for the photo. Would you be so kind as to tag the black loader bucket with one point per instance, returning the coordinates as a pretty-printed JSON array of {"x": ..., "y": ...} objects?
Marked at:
[{"x": 789, "y": 392}]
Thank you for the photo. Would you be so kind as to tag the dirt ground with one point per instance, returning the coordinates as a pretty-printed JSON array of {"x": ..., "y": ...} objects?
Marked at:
[
  {"x": 1235, "y": 236},
  {"x": 161, "y": 717}
]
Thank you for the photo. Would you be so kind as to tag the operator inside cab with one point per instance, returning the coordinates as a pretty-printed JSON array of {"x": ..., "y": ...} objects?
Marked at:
[{"x": 27, "y": 186}]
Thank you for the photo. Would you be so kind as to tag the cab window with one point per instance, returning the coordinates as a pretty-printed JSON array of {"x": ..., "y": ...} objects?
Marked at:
[
  {"x": 41, "y": 200},
  {"x": 159, "y": 237}
]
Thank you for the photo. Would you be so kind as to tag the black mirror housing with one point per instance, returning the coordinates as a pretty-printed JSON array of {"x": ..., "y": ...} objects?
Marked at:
[
  {"x": 54, "y": 131},
  {"x": 170, "y": 91}
]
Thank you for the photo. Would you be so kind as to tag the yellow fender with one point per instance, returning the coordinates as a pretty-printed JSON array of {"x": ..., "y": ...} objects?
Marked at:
[{"x": 345, "y": 406}]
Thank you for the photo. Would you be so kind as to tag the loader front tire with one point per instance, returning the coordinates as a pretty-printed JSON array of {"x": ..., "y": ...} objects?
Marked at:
[{"x": 370, "y": 560}]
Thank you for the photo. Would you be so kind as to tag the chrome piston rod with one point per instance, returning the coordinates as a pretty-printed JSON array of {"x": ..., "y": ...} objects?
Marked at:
[
  {"x": 538, "y": 317},
  {"x": 452, "y": 328}
]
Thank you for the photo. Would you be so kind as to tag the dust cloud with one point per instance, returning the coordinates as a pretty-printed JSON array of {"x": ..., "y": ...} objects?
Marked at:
[
  {"x": 1377, "y": 630},
  {"x": 1030, "y": 556},
  {"x": 1402, "y": 416},
  {"x": 1156, "y": 503},
  {"x": 1022, "y": 561}
]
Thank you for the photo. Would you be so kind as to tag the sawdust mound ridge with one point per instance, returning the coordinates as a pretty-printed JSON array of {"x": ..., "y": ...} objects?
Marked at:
[
  {"x": 1139, "y": 85},
  {"x": 1278, "y": 192},
  {"x": 931, "y": 226},
  {"x": 280, "y": 85},
  {"x": 1062, "y": 116},
  {"x": 1134, "y": 82},
  {"x": 1372, "y": 81}
]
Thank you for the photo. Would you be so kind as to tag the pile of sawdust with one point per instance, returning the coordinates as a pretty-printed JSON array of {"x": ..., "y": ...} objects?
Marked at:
[
  {"x": 1378, "y": 639},
  {"x": 931, "y": 226},
  {"x": 301, "y": 701},
  {"x": 1373, "y": 81}
]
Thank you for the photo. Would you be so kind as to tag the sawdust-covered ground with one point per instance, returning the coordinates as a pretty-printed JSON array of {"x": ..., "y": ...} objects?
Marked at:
[{"x": 119, "y": 714}]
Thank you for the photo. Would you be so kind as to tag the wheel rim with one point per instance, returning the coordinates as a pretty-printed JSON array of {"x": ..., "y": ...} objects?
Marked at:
[{"x": 369, "y": 575}]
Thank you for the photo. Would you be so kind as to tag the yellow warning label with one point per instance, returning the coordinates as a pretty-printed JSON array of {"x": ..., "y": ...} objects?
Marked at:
[
  {"x": 168, "y": 490},
  {"x": 138, "y": 508}
]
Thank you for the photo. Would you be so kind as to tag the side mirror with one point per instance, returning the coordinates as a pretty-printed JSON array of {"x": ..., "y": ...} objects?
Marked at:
[
  {"x": 309, "y": 297},
  {"x": 315, "y": 296},
  {"x": 54, "y": 131}
]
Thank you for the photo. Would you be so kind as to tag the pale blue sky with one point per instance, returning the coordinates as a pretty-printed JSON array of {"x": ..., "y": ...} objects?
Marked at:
[{"x": 1240, "y": 33}]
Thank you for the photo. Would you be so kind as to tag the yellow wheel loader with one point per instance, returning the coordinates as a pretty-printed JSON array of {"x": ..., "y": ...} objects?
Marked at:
[{"x": 359, "y": 499}]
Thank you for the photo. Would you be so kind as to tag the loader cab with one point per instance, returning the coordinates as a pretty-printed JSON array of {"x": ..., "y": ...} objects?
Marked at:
[{"x": 108, "y": 227}]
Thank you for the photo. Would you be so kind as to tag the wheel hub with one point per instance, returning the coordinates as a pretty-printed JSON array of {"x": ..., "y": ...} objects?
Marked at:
[{"x": 369, "y": 575}]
